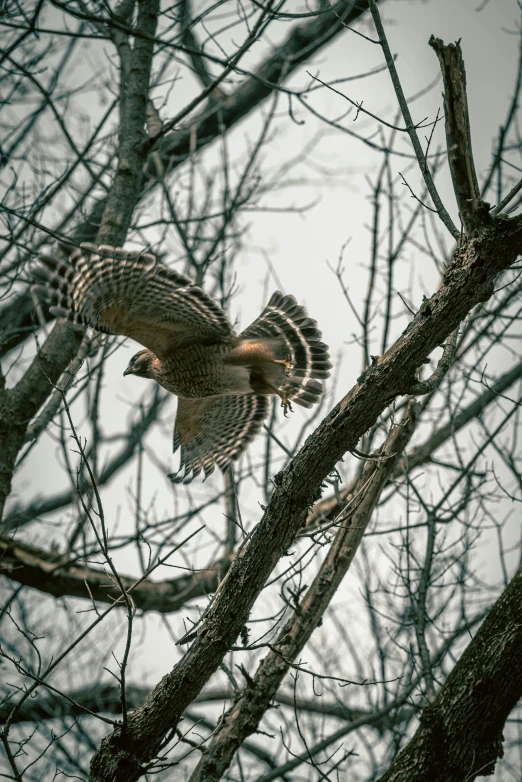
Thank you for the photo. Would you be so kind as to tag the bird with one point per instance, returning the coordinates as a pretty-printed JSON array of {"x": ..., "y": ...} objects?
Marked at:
[{"x": 224, "y": 381}]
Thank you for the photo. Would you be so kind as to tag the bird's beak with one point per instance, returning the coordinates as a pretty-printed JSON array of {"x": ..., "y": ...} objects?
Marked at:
[{"x": 128, "y": 371}]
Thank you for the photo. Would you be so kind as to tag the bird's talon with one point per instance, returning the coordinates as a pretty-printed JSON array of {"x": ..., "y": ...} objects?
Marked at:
[{"x": 286, "y": 405}]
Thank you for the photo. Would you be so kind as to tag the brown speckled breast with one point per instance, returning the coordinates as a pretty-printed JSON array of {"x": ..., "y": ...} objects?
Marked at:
[{"x": 199, "y": 371}]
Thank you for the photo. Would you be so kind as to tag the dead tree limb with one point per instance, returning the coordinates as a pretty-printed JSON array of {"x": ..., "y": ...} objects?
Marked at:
[{"x": 39, "y": 569}]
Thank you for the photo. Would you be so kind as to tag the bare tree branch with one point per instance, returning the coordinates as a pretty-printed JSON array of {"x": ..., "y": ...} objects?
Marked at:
[
  {"x": 297, "y": 487},
  {"x": 255, "y": 584},
  {"x": 244, "y": 716},
  {"x": 329, "y": 507},
  {"x": 18, "y": 406},
  {"x": 410, "y": 126},
  {"x": 302, "y": 43},
  {"x": 24, "y": 515},
  {"x": 472, "y": 210},
  {"x": 54, "y": 575}
]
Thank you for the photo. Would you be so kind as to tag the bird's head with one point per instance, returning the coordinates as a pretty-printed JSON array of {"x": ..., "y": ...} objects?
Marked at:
[{"x": 141, "y": 364}]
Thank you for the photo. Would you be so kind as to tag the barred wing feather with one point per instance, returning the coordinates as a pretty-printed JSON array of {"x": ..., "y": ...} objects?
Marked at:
[
  {"x": 131, "y": 294},
  {"x": 215, "y": 431}
]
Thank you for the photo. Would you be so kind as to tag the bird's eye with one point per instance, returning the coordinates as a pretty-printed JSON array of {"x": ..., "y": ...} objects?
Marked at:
[{"x": 133, "y": 359}]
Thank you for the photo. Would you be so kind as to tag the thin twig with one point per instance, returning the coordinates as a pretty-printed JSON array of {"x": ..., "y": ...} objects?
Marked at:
[{"x": 505, "y": 201}]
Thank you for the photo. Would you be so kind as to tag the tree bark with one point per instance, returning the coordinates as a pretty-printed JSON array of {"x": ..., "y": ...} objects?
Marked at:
[{"x": 244, "y": 716}]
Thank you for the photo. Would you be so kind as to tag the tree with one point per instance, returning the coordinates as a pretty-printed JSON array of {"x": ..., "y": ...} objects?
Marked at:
[{"x": 327, "y": 587}]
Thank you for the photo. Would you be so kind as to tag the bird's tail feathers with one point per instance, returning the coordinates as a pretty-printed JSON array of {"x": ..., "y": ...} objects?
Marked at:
[{"x": 300, "y": 342}]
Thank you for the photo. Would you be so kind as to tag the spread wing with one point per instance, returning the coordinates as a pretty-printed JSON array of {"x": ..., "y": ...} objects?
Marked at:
[
  {"x": 215, "y": 431},
  {"x": 132, "y": 294}
]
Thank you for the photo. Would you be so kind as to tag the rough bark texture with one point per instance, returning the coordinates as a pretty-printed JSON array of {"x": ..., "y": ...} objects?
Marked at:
[
  {"x": 460, "y": 735},
  {"x": 19, "y": 405},
  {"x": 471, "y": 208}
]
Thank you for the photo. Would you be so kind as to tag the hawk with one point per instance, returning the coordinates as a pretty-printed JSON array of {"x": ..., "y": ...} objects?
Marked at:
[{"x": 223, "y": 380}]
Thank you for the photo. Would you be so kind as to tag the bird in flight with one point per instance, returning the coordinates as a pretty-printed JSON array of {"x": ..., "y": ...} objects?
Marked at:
[{"x": 223, "y": 380}]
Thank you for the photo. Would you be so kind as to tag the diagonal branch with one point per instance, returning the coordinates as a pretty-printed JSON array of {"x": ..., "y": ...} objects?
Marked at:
[{"x": 244, "y": 716}]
